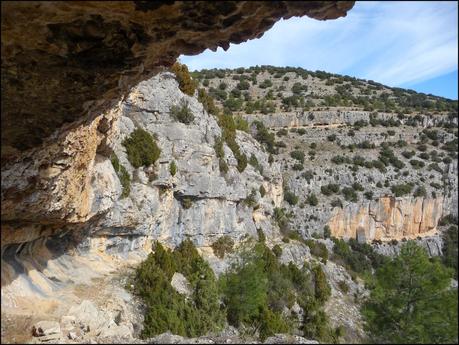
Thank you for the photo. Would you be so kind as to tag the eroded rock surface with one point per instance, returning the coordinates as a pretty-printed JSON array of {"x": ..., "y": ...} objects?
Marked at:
[
  {"x": 388, "y": 218},
  {"x": 42, "y": 256},
  {"x": 71, "y": 59}
]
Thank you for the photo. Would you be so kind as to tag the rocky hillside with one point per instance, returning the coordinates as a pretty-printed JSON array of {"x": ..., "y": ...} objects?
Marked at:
[
  {"x": 164, "y": 164},
  {"x": 358, "y": 158}
]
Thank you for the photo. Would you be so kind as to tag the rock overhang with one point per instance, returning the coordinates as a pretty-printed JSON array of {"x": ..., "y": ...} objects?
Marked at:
[{"x": 63, "y": 60}]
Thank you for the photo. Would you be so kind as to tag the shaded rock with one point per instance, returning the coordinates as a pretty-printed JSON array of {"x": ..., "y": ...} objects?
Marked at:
[{"x": 96, "y": 52}]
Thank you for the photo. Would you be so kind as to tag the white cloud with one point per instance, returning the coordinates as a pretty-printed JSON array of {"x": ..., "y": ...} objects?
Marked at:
[{"x": 390, "y": 42}]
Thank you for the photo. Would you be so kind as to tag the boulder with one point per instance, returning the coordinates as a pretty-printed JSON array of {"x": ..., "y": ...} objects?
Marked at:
[
  {"x": 46, "y": 328},
  {"x": 181, "y": 284}
]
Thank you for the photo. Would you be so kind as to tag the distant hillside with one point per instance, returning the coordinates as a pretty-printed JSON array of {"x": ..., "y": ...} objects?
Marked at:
[{"x": 268, "y": 89}]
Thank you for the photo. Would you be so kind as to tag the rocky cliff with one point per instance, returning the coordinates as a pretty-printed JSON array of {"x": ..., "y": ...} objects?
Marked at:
[
  {"x": 388, "y": 218},
  {"x": 82, "y": 205},
  {"x": 71, "y": 220}
]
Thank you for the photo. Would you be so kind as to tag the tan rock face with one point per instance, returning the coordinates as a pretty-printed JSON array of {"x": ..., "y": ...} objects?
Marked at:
[
  {"x": 388, "y": 218},
  {"x": 60, "y": 58},
  {"x": 52, "y": 184}
]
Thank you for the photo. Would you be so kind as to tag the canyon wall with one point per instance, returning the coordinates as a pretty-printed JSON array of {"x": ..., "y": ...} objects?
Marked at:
[
  {"x": 74, "y": 216},
  {"x": 387, "y": 218}
]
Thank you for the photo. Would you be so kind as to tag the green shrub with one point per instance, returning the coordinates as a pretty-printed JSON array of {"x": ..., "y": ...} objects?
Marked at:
[
  {"x": 321, "y": 288},
  {"x": 417, "y": 164},
  {"x": 264, "y": 136},
  {"x": 290, "y": 197},
  {"x": 222, "y": 246},
  {"x": 223, "y": 166},
  {"x": 312, "y": 200},
  {"x": 329, "y": 189},
  {"x": 266, "y": 83},
  {"x": 186, "y": 83},
  {"x": 317, "y": 249},
  {"x": 298, "y": 155},
  {"x": 435, "y": 185},
  {"x": 368, "y": 195},
  {"x": 331, "y": 137},
  {"x": 298, "y": 166},
  {"x": 207, "y": 102},
  {"x": 187, "y": 203},
  {"x": 218, "y": 147},
  {"x": 182, "y": 113},
  {"x": 257, "y": 288},
  {"x": 357, "y": 187},
  {"x": 243, "y": 85},
  {"x": 282, "y": 132},
  {"x": 343, "y": 286},
  {"x": 401, "y": 189},
  {"x": 277, "y": 250},
  {"x": 450, "y": 248},
  {"x": 122, "y": 174},
  {"x": 241, "y": 124},
  {"x": 336, "y": 203},
  {"x": 327, "y": 231},
  {"x": 165, "y": 307},
  {"x": 408, "y": 154},
  {"x": 245, "y": 290},
  {"x": 411, "y": 299},
  {"x": 251, "y": 200},
  {"x": 350, "y": 194},
  {"x": 173, "y": 168},
  {"x": 308, "y": 175},
  {"x": 228, "y": 126},
  {"x": 141, "y": 148},
  {"x": 448, "y": 219},
  {"x": 420, "y": 191},
  {"x": 282, "y": 219}
]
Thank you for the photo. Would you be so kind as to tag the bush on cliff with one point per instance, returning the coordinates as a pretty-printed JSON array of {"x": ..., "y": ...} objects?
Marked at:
[
  {"x": 186, "y": 84},
  {"x": 167, "y": 310},
  {"x": 123, "y": 175},
  {"x": 258, "y": 288},
  {"x": 141, "y": 148},
  {"x": 182, "y": 113},
  {"x": 222, "y": 246}
]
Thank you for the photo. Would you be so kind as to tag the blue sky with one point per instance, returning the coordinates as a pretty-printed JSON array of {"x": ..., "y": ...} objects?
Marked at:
[{"x": 406, "y": 44}]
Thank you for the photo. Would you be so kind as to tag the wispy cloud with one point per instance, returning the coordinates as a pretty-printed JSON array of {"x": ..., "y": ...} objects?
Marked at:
[{"x": 396, "y": 43}]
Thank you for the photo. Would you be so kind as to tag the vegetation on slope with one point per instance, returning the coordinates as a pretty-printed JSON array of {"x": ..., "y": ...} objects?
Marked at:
[
  {"x": 167, "y": 310},
  {"x": 122, "y": 174},
  {"x": 141, "y": 148},
  {"x": 251, "y": 295},
  {"x": 347, "y": 91},
  {"x": 411, "y": 300}
]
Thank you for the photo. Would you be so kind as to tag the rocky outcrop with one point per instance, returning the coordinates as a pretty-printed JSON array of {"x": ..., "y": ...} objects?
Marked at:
[
  {"x": 388, "y": 218},
  {"x": 96, "y": 51},
  {"x": 81, "y": 221},
  {"x": 333, "y": 118},
  {"x": 432, "y": 244}
]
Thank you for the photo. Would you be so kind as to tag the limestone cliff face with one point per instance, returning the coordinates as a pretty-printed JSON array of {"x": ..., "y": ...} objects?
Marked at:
[
  {"x": 68, "y": 214},
  {"x": 387, "y": 218},
  {"x": 96, "y": 51}
]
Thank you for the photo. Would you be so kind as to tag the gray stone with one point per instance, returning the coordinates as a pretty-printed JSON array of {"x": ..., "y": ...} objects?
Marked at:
[{"x": 181, "y": 284}]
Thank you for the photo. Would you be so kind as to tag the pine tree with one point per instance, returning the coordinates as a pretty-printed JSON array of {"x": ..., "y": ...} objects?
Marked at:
[{"x": 412, "y": 301}]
